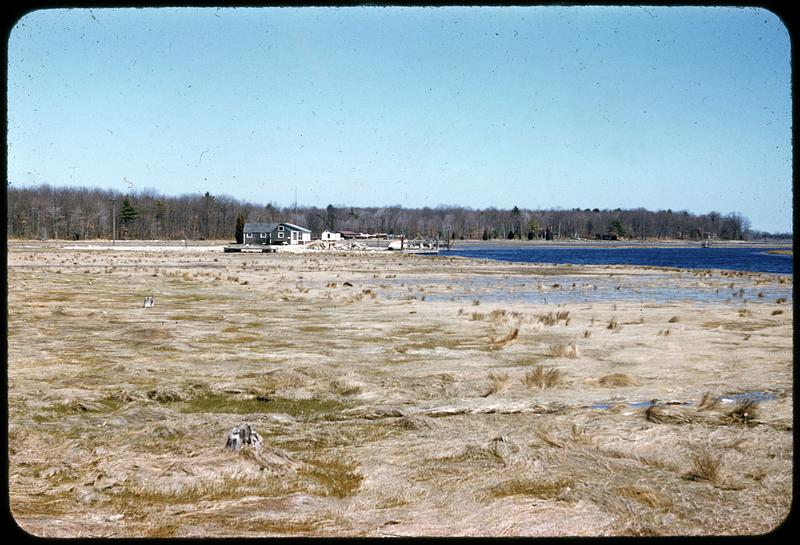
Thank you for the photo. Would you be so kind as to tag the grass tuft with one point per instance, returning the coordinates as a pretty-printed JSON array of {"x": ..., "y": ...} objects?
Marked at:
[
  {"x": 559, "y": 350},
  {"x": 615, "y": 380},
  {"x": 497, "y": 383},
  {"x": 705, "y": 467},
  {"x": 744, "y": 412},
  {"x": 542, "y": 378}
]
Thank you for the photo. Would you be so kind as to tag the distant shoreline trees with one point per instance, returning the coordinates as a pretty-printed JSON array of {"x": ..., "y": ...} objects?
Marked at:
[{"x": 45, "y": 212}]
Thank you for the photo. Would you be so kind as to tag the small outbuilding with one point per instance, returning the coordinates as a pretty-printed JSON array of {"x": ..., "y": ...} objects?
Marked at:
[{"x": 330, "y": 235}]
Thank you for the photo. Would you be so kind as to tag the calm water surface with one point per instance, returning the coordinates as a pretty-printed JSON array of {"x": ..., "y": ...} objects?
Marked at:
[{"x": 737, "y": 259}]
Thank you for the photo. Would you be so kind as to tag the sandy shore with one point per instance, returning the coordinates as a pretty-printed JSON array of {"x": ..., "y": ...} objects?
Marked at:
[{"x": 396, "y": 395}]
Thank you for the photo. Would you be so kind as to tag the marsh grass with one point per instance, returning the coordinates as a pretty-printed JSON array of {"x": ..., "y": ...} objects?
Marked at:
[
  {"x": 504, "y": 340},
  {"x": 212, "y": 402},
  {"x": 104, "y": 405},
  {"x": 542, "y": 378},
  {"x": 337, "y": 476},
  {"x": 613, "y": 324},
  {"x": 705, "y": 467},
  {"x": 559, "y": 350},
  {"x": 344, "y": 388},
  {"x": 745, "y": 412},
  {"x": 616, "y": 380},
  {"x": 543, "y": 489},
  {"x": 708, "y": 402},
  {"x": 497, "y": 381},
  {"x": 645, "y": 496}
]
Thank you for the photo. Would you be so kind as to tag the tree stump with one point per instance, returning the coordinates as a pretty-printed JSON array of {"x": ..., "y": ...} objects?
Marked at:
[{"x": 242, "y": 435}]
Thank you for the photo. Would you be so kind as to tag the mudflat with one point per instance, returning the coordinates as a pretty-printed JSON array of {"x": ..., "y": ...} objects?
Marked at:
[{"x": 397, "y": 395}]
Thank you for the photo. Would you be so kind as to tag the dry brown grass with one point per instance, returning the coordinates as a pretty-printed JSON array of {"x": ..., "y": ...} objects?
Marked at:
[
  {"x": 117, "y": 421},
  {"x": 498, "y": 381},
  {"x": 559, "y": 350},
  {"x": 545, "y": 489},
  {"x": 616, "y": 380},
  {"x": 542, "y": 378},
  {"x": 646, "y": 496},
  {"x": 705, "y": 467},
  {"x": 708, "y": 402},
  {"x": 505, "y": 339},
  {"x": 745, "y": 412}
]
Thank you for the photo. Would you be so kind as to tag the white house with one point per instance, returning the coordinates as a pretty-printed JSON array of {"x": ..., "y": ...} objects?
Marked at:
[{"x": 330, "y": 235}]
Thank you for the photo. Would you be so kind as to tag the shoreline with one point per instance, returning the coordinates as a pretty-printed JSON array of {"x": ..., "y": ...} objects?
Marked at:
[{"x": 382, "y": 243}]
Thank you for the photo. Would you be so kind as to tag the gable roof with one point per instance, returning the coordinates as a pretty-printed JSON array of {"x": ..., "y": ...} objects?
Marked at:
[
  {"x": 259, "y": 227},
  {"x": 296, "y": 227},
  {"x": 269, "y": 227}
]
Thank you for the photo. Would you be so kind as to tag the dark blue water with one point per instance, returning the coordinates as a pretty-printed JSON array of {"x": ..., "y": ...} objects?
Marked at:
[{"x": 736, "y": 259}]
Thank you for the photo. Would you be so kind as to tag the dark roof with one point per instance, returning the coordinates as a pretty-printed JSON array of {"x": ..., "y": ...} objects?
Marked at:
[
  {"x": 259, "y": 227},
  {"x": 269, "y": 227}
]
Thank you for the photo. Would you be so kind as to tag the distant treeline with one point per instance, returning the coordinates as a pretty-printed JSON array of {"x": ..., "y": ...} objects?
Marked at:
[{"x": 46, "y": 212}]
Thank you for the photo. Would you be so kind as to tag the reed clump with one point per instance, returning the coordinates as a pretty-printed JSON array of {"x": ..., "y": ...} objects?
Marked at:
[
  {"x": 497, "y": 381},
  {"x": 705, "y": 467},
  {"x": 542, "y": 378},
  {"x": 504, "y": 340},
  {"x": 745, "y": 412},
  {"x": 559, "y": 350}
]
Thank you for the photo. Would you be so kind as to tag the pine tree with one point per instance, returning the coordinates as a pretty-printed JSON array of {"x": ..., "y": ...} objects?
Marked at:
[
  {"x": 128, "y": 214},
  {"x": 240, "y": 229}
]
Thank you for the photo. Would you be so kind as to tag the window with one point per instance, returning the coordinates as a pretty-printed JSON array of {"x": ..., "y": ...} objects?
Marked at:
[
  {"x": 248, "y": 235},
  {"x": 280, "y": 228},
  {"x": 263, "y": 235}
]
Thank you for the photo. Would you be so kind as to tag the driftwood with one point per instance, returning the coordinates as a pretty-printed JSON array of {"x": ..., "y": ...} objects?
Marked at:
[{"x": 242, "y": 435}]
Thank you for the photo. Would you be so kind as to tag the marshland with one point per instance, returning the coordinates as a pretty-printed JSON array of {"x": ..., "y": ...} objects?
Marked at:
[{"x": 397, "y": 395}]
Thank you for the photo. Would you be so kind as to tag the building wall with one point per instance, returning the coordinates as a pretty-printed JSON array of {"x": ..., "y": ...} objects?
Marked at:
[{"x": 280, "y": 235}]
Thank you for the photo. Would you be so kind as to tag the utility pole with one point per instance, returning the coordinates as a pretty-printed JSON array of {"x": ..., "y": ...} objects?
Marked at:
[{"x": 113, "y": 221}]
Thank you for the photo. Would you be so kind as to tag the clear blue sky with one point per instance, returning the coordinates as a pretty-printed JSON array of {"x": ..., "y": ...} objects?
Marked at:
[{"x": 538, "y": 107}]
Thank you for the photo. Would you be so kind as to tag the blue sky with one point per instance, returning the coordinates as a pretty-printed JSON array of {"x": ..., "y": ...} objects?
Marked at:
[{"x": 538, "y": 107}]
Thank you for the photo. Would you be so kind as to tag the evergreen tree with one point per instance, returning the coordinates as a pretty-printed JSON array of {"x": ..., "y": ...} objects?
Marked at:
[
  {"x": 128, "y": 213},
  {"x": 240, "y": 229},
  {"x": 331, "y": 218}
]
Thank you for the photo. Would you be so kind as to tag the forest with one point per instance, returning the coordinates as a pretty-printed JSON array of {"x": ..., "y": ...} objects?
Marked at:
[{"x": 78, "y": 213}]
